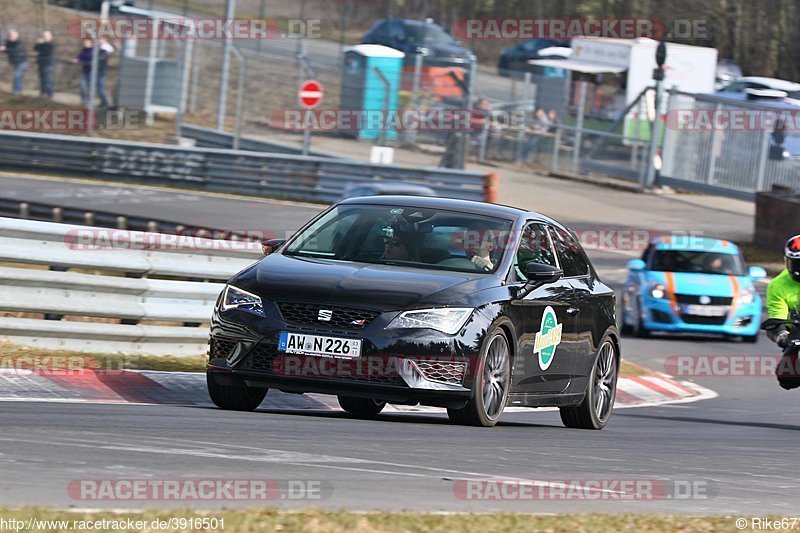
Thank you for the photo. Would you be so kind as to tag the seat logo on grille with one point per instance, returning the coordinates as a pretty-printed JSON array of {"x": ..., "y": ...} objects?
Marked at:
[
  {"x": 325, "y": 315},
  {"x": 705, "y": 300}
]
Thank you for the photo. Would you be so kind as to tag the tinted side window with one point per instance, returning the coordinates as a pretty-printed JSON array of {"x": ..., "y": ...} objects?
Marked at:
[
  {"x": 534, "y": 246},
  {"x": 570, "y": 254}
]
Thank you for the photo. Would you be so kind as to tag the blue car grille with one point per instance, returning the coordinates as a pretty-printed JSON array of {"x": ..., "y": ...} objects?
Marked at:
[{"x": 695, "y": 299}]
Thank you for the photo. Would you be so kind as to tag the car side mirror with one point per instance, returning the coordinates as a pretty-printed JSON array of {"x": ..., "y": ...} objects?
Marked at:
[
  {"x": 636, "y": 265},
  {"x": 538, "y": 274},
  {"x": 270, "y": 245},
  {"x": 757, "y": 272}
]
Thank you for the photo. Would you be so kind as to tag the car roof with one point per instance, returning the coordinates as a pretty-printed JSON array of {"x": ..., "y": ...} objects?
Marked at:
[
  {"x": 692, "y": 243},
  {"x": 399, "y": 187},
  {"x": 451, "y": 204},
  {"x": 772, "y": 83}
]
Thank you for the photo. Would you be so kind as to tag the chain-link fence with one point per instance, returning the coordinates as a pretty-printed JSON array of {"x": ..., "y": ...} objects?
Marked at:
[{"x": 742, "y": 146}]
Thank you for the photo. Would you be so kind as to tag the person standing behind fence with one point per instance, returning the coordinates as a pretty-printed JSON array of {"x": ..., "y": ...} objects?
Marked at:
[
  {"x": 17, "y": 57},
  {"x": 84, "y": 58},
  {"x": 45, "y": 58}
]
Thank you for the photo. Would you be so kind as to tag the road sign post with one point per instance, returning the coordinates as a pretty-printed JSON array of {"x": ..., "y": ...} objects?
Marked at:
[{"x": 309, "y": 97}]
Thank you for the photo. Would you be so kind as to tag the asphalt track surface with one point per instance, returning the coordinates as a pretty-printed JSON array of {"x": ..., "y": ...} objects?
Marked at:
[{"x": 736, "y": 449}]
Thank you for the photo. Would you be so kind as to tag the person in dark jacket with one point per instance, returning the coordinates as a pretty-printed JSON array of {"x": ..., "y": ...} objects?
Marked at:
[
  {"x": 84, "y": 58},
  {"x": 45, "y": 52},
  {"x": 17, "y": 57}
]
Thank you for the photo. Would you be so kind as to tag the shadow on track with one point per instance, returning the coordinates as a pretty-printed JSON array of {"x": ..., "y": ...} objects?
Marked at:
[{"x": 763, "y": 425}]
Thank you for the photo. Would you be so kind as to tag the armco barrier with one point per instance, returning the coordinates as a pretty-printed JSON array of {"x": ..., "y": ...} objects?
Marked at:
[
  {"x": 127, "y": 292},
  {"x": 210, "y": 138},
  {"x": 278, "y": 176}
]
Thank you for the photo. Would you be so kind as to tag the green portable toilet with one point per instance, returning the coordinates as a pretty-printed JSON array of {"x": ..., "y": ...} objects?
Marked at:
[{"x": 363, "y": 90}]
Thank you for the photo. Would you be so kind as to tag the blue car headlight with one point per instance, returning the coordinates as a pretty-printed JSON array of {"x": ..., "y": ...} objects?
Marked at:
[
  {"x": 658, "y": 291},
  {"x": 236, "y": 298},
  {"x": 746, "y": 297}
]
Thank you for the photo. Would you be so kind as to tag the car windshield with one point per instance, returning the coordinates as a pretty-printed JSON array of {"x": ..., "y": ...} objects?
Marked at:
[
  {"x": 699, "y": 262},
  {"x": 428, "y": 33},
  {"x": 405, "y": 236}
]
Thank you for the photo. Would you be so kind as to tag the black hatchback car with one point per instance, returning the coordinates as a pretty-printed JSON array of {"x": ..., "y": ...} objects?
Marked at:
[
  {"x": 425, "y": 37},
  {"x": 414, "y": 300}
]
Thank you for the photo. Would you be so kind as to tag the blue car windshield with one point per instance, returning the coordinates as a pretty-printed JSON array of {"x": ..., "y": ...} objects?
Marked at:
[
  {"x": 406, "y": 236},
  {"x": 697, "y": 262}
]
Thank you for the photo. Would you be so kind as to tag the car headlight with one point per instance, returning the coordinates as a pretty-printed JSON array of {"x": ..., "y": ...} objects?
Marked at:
[
  {"x": 658, "y": 291},
  {"x": 236, "y": 298},
  {"x": 448, "y": 320},
  {"x": 747, "y": 296}
]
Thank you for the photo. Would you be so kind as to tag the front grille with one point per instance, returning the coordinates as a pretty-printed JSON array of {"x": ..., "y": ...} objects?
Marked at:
[
  {"x": 220, "y": 348},
  {"x": 301, "y": 314},
  {"x": 695, "y": 299},
  {"x": 450, "y": 372},
  {"x": 704, "y": 320},
  {"x": 265, "y": 358}
]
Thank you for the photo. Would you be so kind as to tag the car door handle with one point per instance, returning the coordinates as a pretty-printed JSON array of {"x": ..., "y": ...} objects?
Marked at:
[{"x": 572, "y": 311}]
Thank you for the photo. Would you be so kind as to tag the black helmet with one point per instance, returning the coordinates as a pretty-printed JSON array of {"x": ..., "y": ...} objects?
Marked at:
[{"x": 792, "y": 253}]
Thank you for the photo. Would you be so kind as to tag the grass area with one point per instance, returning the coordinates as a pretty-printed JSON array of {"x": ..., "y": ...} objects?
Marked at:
[
  {"x": 755, "y": 255},
  {"x": 11, "y": 355},
  {"x": 628, "y": 369},
  {"x": 343, "y": 521}
]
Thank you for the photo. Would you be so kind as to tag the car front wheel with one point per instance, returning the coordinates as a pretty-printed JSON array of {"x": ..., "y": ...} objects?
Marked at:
[
  {"x": 234, "y": 397},
  {"x": 595, "y": 409},
  {"x": 491, "y": 386}
]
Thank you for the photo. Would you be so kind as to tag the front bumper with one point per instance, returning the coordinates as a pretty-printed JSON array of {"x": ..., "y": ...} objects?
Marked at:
[
  {"x": 399, "y": 366},
  {"x": 742, "y": 320}
]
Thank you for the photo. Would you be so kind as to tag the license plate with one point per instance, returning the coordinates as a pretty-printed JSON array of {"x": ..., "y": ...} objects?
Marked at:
[
  {"x": 300, "y": 343},
  {"x": 706, "y": 310}
]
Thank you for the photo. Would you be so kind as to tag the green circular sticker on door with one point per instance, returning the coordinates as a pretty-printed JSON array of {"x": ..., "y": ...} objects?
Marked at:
[{"x": 547, "y": 338}]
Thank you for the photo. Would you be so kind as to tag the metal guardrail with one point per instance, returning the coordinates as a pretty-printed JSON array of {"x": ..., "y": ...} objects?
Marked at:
[
  {"x": 277, "y": 176},
  {"x": 211, "y": 138},
  {"x": 121, "y": 285},
  {"x": 50, "y": 212}
]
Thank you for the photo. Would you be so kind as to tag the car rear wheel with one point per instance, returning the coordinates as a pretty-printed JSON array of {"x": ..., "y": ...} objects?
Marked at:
[
  {"x": 361, "y": 407},
  {"x": 598, "y": 403},
  {"x": 491, "y": 386},
  {"x": 234, "y": 397}
]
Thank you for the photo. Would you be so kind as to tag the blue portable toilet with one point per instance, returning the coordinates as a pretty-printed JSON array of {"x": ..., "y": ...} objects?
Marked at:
[{"x": 363, "y": 90}]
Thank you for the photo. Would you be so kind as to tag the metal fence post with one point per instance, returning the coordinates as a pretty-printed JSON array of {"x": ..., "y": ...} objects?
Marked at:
[
  {"x": 712, "y": 162},
  {"x": 763, "y": 156},
  {"x": 183, "y": 85},
  {"x": 462, "y": 155},
  {"x": 556, "y": 149},
  {"x": 521, "y": 137},
  {"x": 576, "y": 153},
  {"x": 230, "y": 9},
  {"x": 239, "y": 96}
]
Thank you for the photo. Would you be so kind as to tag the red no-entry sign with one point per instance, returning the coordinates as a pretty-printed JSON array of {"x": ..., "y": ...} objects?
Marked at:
[{"x": 310, "y": 94}]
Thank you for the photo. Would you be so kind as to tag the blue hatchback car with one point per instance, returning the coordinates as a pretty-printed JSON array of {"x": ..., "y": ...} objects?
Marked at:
[{"x": 692, "y": 285}]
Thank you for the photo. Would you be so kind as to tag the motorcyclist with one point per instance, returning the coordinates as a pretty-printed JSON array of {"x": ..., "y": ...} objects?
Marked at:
[{"x": 783, "y": 303}]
